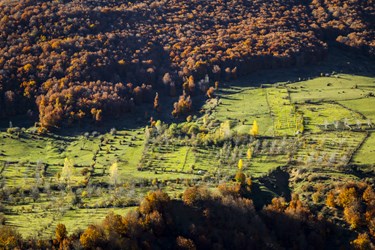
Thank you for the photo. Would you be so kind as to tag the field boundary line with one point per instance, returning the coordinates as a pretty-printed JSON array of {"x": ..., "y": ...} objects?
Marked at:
[
  {"x": 354, "y": 111},
  {"x": 359, "y": 146},
  {"x": 185, "y": 160},
  {"x": 270, "y": 113}
]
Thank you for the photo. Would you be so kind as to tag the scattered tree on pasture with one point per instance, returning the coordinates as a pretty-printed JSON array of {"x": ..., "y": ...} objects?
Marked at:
[
  {"x": 68, "y": 170},
  {"x": 114, "y": 174},
  {"x": 240, "y": 164},
  {"x": 254, "y": 131},
  {"x": 183, "y": 106},
  {"x": 249, "y": 154}
]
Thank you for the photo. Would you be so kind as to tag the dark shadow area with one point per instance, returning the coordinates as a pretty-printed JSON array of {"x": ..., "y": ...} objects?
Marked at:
[
  {"x": 362, "y": 172},
  {"x": 277, "y": 181},
  {"x": 261, "y": 195},
  {"x": 337, "y": 60}
]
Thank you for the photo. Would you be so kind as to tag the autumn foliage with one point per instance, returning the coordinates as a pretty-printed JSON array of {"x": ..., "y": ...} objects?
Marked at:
[
  {"x": 225, "y": 218},
  {"x": 65, "y": 59},
  {"x": 356, "y": 204}
]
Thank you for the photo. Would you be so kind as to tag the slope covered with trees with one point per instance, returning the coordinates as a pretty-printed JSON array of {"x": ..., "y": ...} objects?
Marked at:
[
  {"x": 220, "y": 219},
  {"x": 71, "y": 60}
]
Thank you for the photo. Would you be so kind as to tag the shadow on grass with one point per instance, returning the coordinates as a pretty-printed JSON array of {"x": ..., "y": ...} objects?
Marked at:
[{"x": 337, "y": 60}]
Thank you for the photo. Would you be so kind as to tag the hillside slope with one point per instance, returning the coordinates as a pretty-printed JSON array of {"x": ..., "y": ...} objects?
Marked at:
[{"x": 72, "y": 60}]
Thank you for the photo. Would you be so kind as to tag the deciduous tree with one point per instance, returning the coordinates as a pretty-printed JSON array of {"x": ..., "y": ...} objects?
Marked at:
[{"x": 254, "y": 131}]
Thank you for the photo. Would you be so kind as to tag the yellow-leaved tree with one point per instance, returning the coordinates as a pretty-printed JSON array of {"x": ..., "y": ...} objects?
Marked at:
[
  {"x": 240, "y": 164},
  {"x": 254, "y": 131},
  {"x": 224, "y": 131},
  {"x": 113, "y": 173},
  {"x": 68, "y": 169},
  {"x": 249, "y": 154}
]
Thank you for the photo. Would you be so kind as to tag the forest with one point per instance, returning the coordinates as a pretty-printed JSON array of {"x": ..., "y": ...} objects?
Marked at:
[{"x": 67, "y": 61}]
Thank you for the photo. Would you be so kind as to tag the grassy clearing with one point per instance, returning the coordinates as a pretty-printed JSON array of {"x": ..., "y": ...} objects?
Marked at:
[
  {"x": 366, "y": 154},
  {"x": 42, "y": 224},
  {"x": 286, "y": 120},
  {"x": 363, "y": 106},
  {"x": 176, "y": 160},
  {"x": 328, "y": 149},
  {"x": 321, "y": 116},
  {"x": 243, "y": 105},
  {"x": 335, "y": 88}
]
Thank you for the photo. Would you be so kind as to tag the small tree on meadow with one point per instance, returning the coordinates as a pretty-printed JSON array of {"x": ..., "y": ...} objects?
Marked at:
[
  {"x": 113, "y": 173},
  {"x": 254, "y": 131},
  {"x": 35, "y": 194},
  {"x": 224, "y": 131},
  {"x": 68, "y": 169},
  {"x": 249, "y": 154},
  {"x": 369, "y": 123},
  {"x": 240, "y": 164}
]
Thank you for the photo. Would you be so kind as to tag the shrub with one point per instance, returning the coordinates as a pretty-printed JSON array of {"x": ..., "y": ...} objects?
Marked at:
[
  {"x": 9, "y": 237},
  {"x": 92, "y": 237}
]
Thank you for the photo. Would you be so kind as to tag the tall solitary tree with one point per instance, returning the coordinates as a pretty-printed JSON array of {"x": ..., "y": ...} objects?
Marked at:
[
  {"x": 254, "y": 131},
  {"x": 68, "y": 169},
  {"x": 249, "y": 154},
  {"x": 113, "y": 173},
  {"x": 240, "y": 164}
]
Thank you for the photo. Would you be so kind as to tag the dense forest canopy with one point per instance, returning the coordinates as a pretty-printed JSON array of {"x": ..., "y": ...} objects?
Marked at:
[{"x": 69, "y": 60}]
